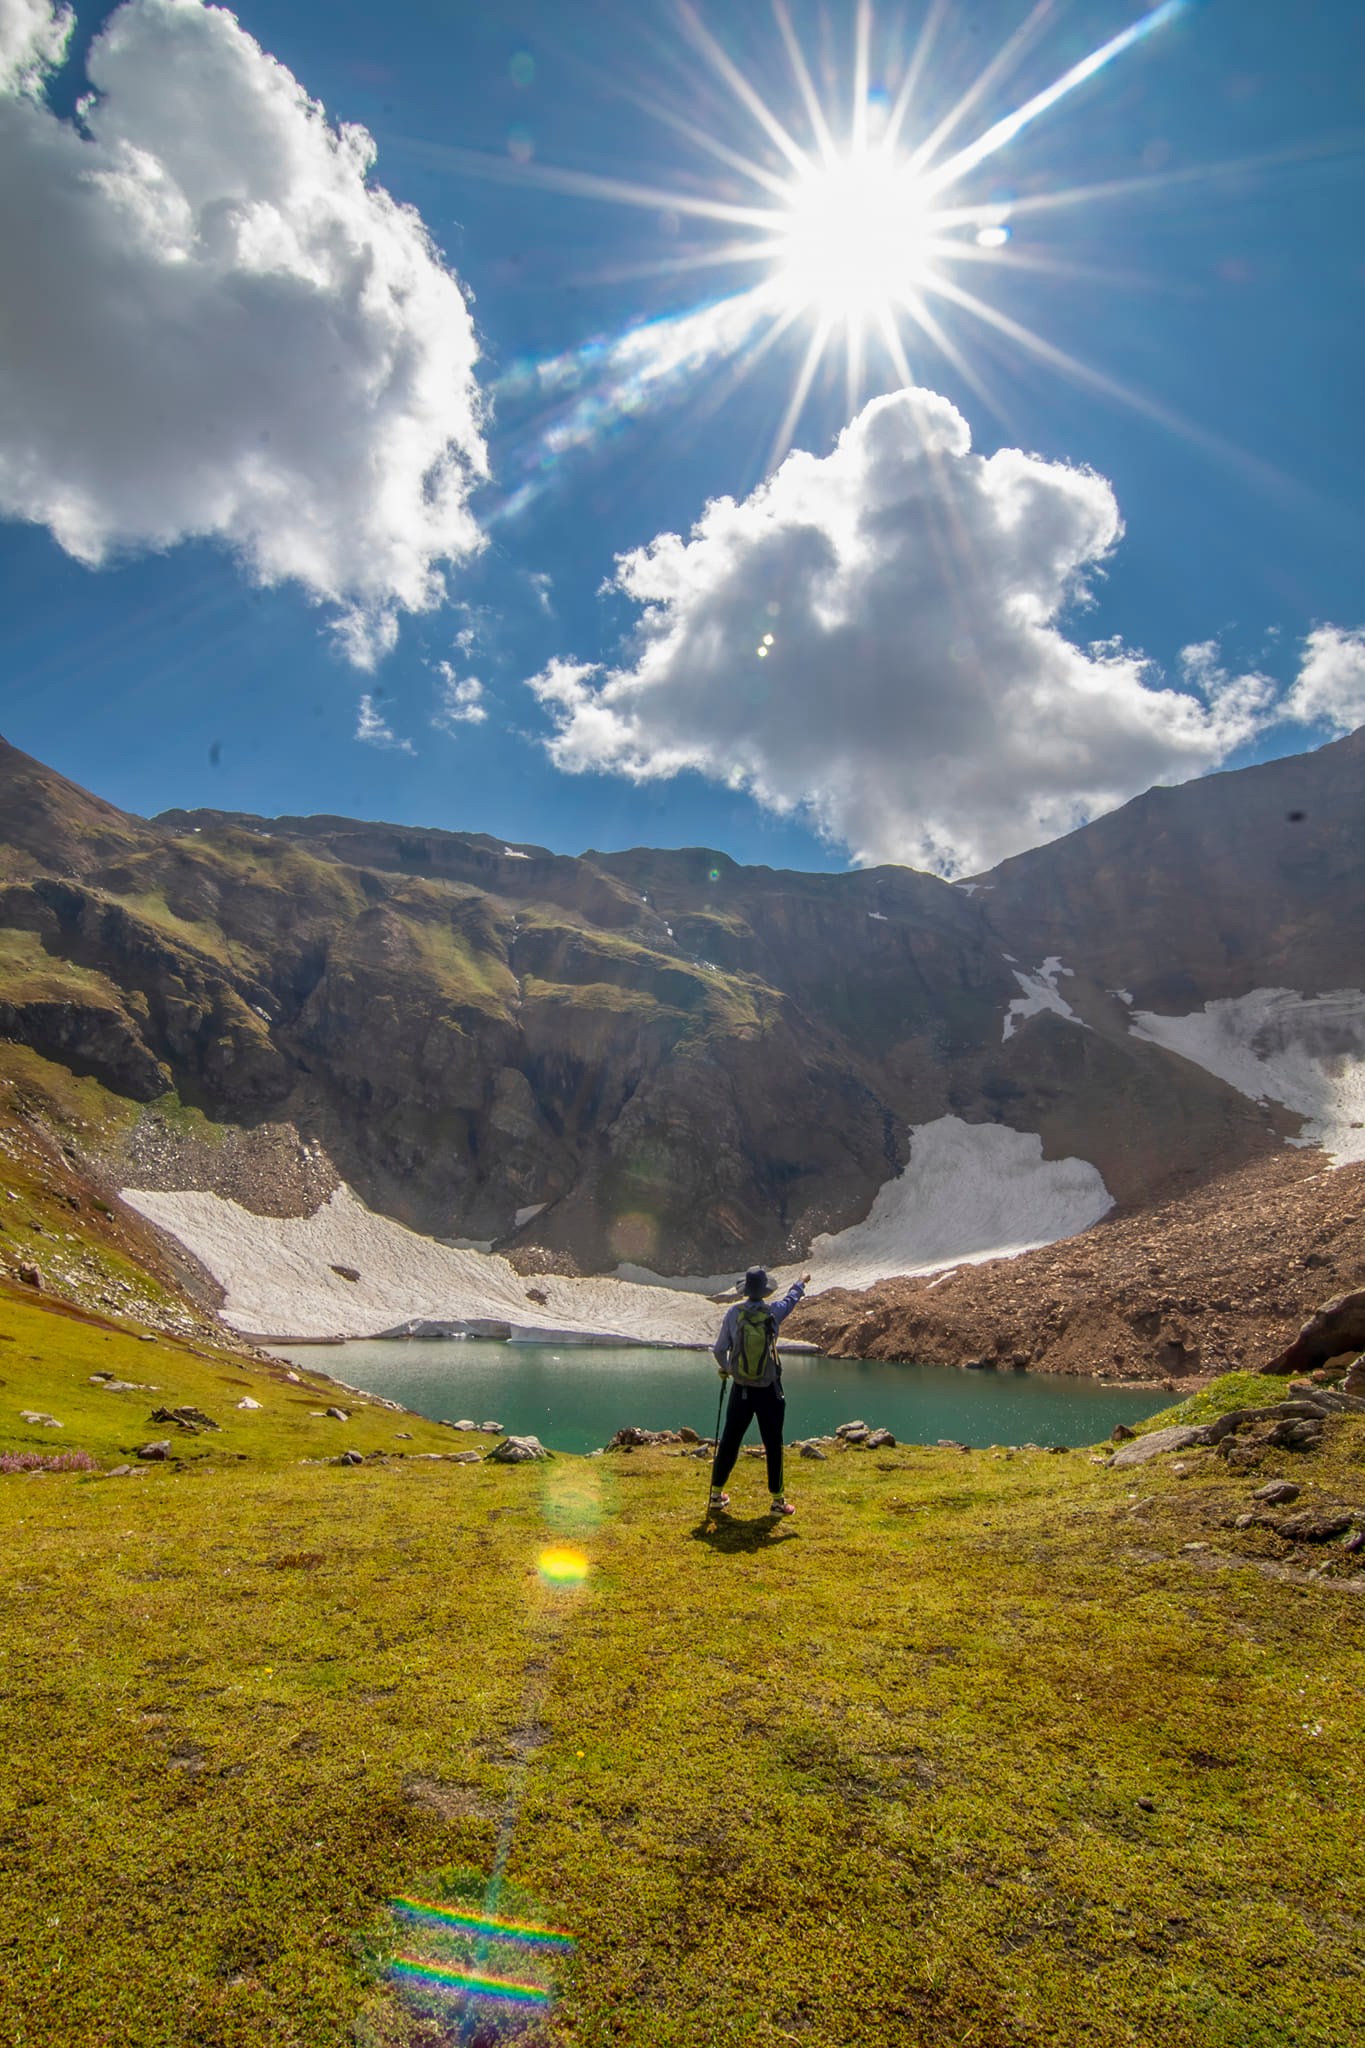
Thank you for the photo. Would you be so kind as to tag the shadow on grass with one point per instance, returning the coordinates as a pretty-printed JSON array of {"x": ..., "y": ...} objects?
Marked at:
[{"x": 731, "y": 1536}]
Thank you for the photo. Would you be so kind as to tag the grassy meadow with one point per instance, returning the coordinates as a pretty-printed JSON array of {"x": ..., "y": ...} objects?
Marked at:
[{"x": 977, "y": 1749}]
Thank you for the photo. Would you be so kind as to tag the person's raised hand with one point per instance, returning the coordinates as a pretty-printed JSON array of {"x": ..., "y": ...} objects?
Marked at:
[{"x": 805, "y": 1279}]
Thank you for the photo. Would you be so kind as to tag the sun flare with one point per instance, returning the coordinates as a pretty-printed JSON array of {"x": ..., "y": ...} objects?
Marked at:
[{"x": 856, "y": 240}]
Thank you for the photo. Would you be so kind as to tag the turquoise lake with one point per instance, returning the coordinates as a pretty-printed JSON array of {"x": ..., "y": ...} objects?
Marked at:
[{"x": 574, "y": 1397}]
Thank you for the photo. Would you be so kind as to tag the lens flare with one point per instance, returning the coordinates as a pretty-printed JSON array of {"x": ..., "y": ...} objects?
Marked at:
[
  {"x": 485, "y": 1926},
  {"x": 560, "y": 1564},
  {"x": 467, "y": 1983}
]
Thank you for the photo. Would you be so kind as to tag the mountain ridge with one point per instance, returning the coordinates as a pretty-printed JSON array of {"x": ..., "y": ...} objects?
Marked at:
[{"x": 661, "y": 1056}]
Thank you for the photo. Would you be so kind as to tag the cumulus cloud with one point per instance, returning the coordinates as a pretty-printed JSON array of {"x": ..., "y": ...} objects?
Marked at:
[
  {"x": 876, "y": 635},
  {"x": 216, "y": 326},
  {"x": 374, "y": 729},
  {"x": 460, "y": 700},
  {"x": 1330, "y": 689},
  {"x": 33, "y": 40}
]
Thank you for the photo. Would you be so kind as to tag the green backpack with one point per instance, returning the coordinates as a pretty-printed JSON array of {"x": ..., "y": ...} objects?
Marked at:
[{"x": 755, "y": 1351}]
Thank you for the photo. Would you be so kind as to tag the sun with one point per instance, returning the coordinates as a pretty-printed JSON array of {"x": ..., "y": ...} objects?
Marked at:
[
  {"x": 854, "y": 219},
  {"x": 855, "y": 243}
]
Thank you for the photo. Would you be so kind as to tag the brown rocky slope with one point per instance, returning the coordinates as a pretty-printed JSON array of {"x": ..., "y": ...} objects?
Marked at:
[{"x": 1218, "y": 1280}]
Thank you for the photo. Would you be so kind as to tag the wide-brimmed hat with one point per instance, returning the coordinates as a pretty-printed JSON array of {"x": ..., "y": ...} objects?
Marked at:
[{"x": 756, "y": 1281}]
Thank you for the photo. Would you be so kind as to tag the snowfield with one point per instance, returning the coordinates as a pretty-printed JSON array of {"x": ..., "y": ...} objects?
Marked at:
[
  {"x": 1040, "y": 993},
  {"x": 971, "y": 1192},
  {"x": 277, "y": 1274},
  {"x": 1274, "y": 1045}
]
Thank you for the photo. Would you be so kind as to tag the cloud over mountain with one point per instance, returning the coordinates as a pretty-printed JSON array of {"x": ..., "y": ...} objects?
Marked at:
[
  {"x": 215, "y": 326},
  {"x": 877, "y": 634}
]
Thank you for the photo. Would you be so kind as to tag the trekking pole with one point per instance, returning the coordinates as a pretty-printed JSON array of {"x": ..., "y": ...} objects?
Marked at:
[{"x": 720, "y": 1406}]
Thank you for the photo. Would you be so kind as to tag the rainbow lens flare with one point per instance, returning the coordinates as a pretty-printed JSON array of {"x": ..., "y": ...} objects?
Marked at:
[
  {"x": 560, "y": 1564},
  {"x": 467, "y": 1983},
  {"x": 462, "y": 1921}
]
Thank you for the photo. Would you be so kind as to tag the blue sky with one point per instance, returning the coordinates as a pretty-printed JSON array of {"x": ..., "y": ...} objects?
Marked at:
[{"x": 1220, "y": 289}]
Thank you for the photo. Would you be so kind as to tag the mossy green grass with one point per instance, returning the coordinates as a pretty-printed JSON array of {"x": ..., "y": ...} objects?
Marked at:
[{"x": 972, "y": 1751}]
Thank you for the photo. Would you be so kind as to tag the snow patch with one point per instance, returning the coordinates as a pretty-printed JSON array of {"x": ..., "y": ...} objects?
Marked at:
[
  {"x": 277, "y": 1274},
  {"x": 1275, "y": 1045},
  {"x": 880, "y": 916},
  {"x": 1040, "y": 993},
  {"x": 1125, "y": 995},
  {"x": 514, "y": 853},
  {"x": 971, "y": 1192},
  {"x": 523, "y": 1216}
]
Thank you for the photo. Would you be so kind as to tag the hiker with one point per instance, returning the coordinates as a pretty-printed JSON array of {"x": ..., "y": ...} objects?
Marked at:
[{"x": 746, "y": 1352}]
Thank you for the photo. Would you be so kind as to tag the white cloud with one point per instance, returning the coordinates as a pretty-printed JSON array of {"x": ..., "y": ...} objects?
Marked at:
[
  {"x": 875, "y": 635},
  {"x": 1330, "y": 689},
  {"x": 33, "y": 40},
  {"x": 460, "y": 699},
  {"x": 373, "y": 728},
  {"x": 216, "y": 327}
]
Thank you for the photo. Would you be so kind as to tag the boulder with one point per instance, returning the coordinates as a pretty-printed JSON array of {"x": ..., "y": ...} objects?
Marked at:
[
  {"x": 879, "y": 1440},
  {"x": 29, "y": 1274},
  {"x": 1277, "y": 1493},
  {"x": 337, "y": 1414},
  {"x": 813, "y": 1451},
  {"x": 518, "y": 1450},
  {"x": 848, "y": 1429},
  {"x": 247, "y": 1402},
  {"x": 490, "y": 1428},
  {"x": 1314, "y": 1525},
  {"x": 1176, "y": 1437},
  {"x": 156, "y": 1452},
  {"x": 349, "y": 1458},
  {"x": 1121, "y": 1434},
  {"x": 1339, "y": 1325},
  {"x": 463, "y": 1458}
]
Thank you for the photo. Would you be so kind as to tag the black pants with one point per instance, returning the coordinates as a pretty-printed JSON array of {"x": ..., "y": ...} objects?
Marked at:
[{"x": 770, "y": 1406}]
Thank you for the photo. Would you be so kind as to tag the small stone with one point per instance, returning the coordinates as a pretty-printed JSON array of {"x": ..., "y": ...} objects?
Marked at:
[
  {"x": 29, "y": 1274},
  {"x": 813, "y": 1451},
  {"x": 464, "y": 1425},
  {"x": 346, "y": 1272},
  {"x": 247, "y": 1402},
  {"x": 185, "y": 1417},
  {"x": 118, "y": 1471},
  {"x": 350, "y": 1458},
  {"x": 337, "y": 1414},
  {"x": 38, "y": 1420},
  {"x": 404, "y": 1436},
  {"x": 688, "y": 1436},
  {"x": 1355, "y": 1541},
  {"x": 1180, "y": 1468},
  {"x": 473, "y": 1458},
  {"x": 1121, "y": 1434},
  {"x": 879, "y": 1440},
  {"x": 146, "y": 1337},
  {"x": 1277, "y": 1492},
  {"x": 848, "y": 1429},
  {"x": 1059, "y": 1449},
  {"x": 157, "y": 1452},
  {"x": 490, "y": 1429},
  {"x": 1245, "y": 1521},
  {"x": 1194, "y": 1546},
  {"x": 1148, "y": 1805}
]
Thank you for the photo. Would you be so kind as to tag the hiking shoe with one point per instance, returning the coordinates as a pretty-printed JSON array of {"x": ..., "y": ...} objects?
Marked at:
[
  {"x": 718, "y": 1502},
  {"x": 781, "y": 1507}
]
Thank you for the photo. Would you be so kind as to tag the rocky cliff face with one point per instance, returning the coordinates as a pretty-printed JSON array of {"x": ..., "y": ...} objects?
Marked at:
[{"x": 660, "y": 1057}]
